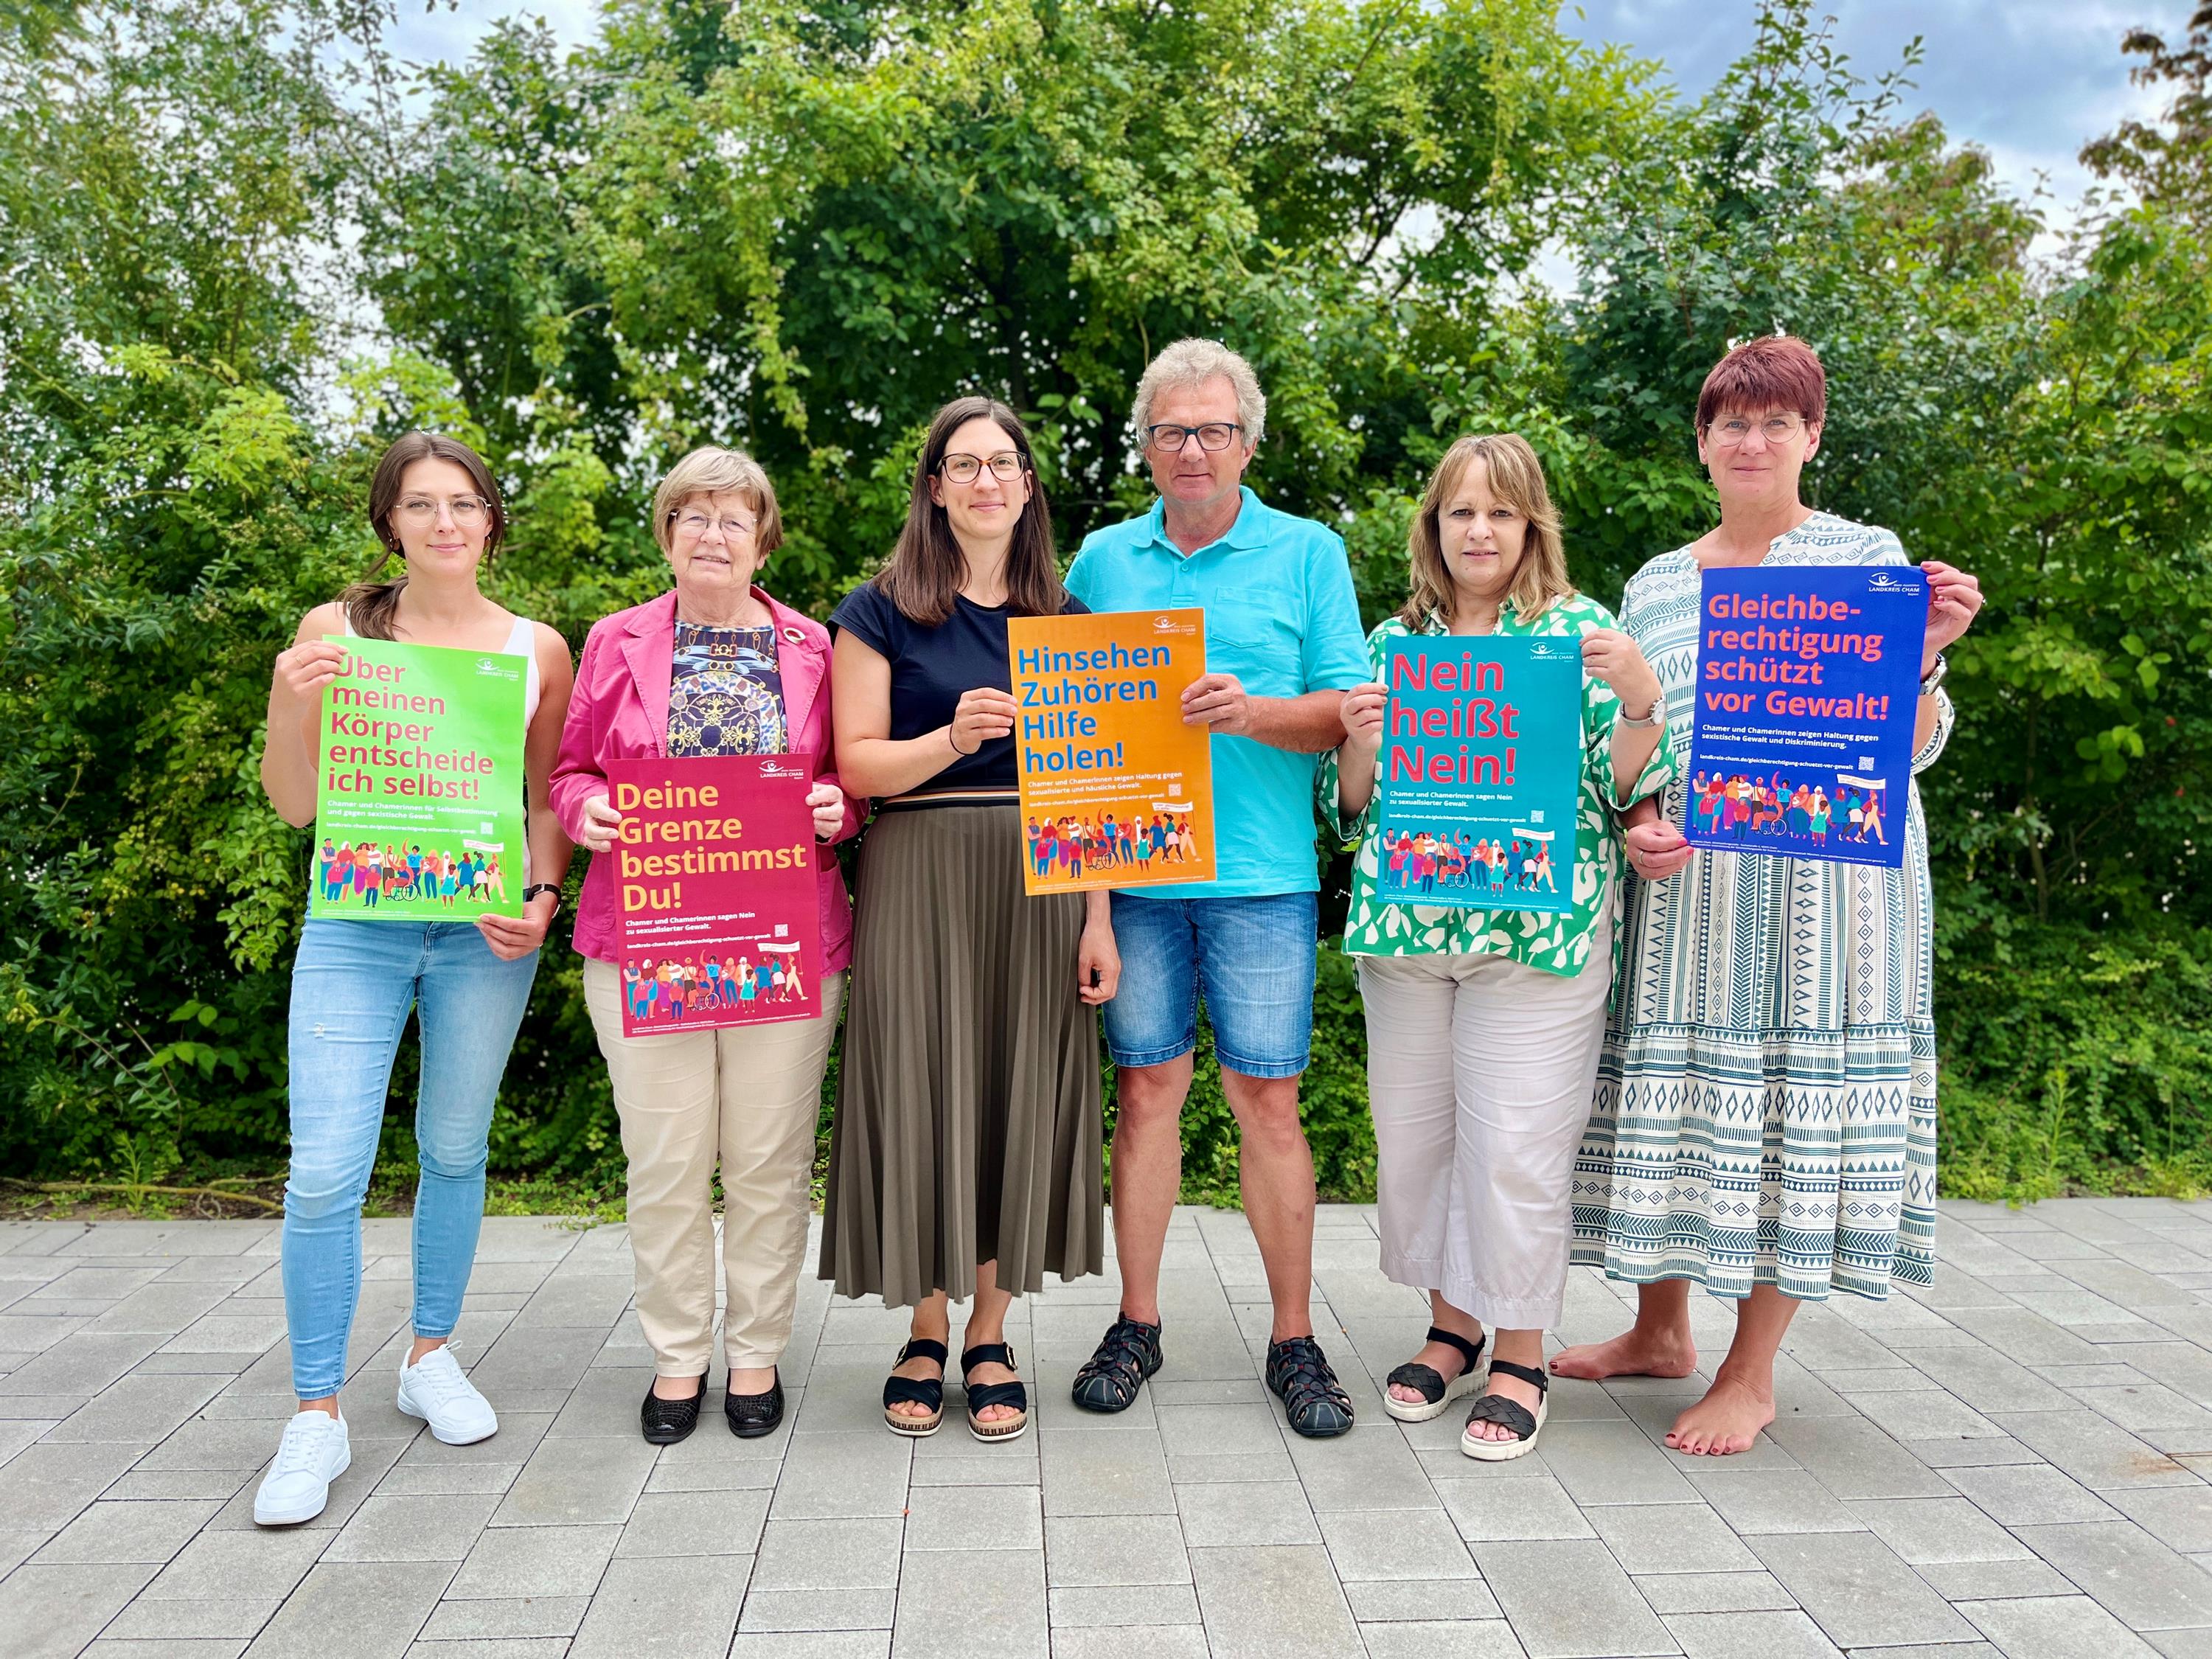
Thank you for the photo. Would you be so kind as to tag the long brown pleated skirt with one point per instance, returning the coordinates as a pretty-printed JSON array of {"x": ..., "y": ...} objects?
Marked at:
[{"x": 968, "y": 1110}]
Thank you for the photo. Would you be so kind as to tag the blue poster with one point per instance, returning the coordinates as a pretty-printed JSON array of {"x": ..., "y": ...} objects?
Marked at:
[
  {"x": 1809, "y": 678},
  {"x": 1482, "y": 756}
]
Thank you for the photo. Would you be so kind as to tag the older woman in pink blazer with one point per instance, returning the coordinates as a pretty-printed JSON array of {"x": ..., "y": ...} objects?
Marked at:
[{"x": 716, "y": 667}]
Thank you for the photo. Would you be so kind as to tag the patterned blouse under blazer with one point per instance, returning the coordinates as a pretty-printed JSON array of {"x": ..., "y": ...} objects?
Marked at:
[{"x": 1551, "y": 944}]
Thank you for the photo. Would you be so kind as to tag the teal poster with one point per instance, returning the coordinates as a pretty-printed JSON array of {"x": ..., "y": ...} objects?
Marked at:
[{"x": 1482, "y": 755}]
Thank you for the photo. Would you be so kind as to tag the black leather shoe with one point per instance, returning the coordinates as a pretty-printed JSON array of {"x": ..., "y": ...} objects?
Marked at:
[
  {"x": 752, "y": 1415},
  {"x": 667, "y": 1421}
]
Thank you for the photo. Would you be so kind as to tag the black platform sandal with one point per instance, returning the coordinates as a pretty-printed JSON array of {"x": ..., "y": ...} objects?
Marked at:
[
  {"x": 1436, "y": 1392},
  {"x": 1511, "y": 1414},
  {"x": 1313, "y": 1400},
  {"x": 1125, "y": 1355},
  {"x": 752, "y": 1415},
  {"x": 983, "y": 1396},
  {"x": 917, "y": 1390},
  {"x": 667, "y": 1421}
]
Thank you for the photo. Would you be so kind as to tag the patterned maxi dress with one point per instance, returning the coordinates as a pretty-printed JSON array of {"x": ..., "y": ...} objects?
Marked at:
[{"x": 1766, "y": 1105}]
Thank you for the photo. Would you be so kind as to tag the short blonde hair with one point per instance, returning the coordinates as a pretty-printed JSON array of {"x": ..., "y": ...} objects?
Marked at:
[
  {"x": 1517, "y": 478},
  {"x": 709, "y": 471},
  {"x": 1189, "y": 364}
]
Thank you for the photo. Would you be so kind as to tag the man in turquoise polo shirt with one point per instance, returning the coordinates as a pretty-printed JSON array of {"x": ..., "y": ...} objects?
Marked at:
[{"x": 1283, "y": 645}]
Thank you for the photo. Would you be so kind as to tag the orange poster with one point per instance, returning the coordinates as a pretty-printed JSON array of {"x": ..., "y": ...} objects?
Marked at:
[{"x": 1116, "y": 791}]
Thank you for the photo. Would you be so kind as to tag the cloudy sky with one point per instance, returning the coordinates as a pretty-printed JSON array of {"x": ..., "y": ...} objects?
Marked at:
[{"x": 2029, "y": 80}]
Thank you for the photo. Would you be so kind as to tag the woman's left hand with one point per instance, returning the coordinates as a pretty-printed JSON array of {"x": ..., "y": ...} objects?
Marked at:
[
  {"x": 1098, "y": 964},
  {"x": 513, "y": 937},
  {"x": 828, "y": 802},
  {"x": 1953, "y": 598},
  {"x": 1611, "y": 656}
]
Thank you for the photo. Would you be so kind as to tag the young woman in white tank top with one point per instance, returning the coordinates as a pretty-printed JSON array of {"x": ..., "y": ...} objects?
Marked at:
[{"x": 433, "y": 501}]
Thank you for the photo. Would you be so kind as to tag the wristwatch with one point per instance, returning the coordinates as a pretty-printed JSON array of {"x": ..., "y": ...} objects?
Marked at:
[
  {"x": 536, "y": 887},
  {"x": 1935, "y": 676},
  {"x": 1656, "y": 717}
]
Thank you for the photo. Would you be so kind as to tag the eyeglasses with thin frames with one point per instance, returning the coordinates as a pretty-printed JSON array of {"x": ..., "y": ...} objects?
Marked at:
[
  {"x": 1775, "y": 428},
  {"x": 690, "y": 526},
  {"x": 1006, "y": 466},
  {"x": 420, "y": 512}
]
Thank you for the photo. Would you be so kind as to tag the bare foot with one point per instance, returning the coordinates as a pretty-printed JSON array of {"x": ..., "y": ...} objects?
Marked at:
[
  {"x": 1727, "y": 1420},
  {"x": 1523, "y": 1393},
  {"x": 1636, "y": 1351},
  {"x": 921, "y": 1368},
  {"x": 990, "y": 1372},
  {"x": 1441, "y": 1357}
]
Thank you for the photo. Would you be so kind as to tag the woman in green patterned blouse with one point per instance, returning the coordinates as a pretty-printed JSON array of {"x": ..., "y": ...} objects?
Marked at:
[{"x": 1483, "y": 1025}]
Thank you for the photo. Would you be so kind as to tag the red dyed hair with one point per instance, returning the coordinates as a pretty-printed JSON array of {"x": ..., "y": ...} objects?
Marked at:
[{"x": 1774, "y": 371}]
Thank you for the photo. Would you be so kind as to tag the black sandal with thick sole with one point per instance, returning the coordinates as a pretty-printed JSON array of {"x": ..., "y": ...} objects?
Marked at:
[
  {"x": 667, "y": 1421},
  {"x": 1436, "y": 1392},
  {"x": 983, "y": 1396},
  {"x": 1510, "y": 1414},
  {"x": 915, "y": 1390}
]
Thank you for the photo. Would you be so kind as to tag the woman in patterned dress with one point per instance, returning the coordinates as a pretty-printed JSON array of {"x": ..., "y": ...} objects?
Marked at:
[
  {"x": 1764, "y": 1123},
  {"x": 1483, "y": 1025}
]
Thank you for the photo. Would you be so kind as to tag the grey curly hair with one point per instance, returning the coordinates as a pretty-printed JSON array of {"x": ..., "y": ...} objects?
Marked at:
[{"x": 1189, "y": 364}]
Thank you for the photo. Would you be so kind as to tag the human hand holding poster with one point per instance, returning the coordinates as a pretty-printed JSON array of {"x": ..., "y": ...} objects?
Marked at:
[
  {"x": 418, "y": 785},
  {"x": 718, "y": 921},
  {"x": 1116, "y": 791},
  {"x": 1808, "y": 686},
  {"x": 1481, "y": 763}
]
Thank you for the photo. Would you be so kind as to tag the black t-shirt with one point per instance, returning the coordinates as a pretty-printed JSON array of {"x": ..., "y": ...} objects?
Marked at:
[{"x": 930, "y": 667}]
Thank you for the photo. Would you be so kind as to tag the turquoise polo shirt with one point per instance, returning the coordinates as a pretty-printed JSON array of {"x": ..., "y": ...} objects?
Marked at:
[{"x": 1281, "y": 616}]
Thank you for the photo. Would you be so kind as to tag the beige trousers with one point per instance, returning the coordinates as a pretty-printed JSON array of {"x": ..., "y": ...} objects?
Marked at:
[
  {"x": 749, "y": 1097},
  {"x": 1479, "y": 1074}
]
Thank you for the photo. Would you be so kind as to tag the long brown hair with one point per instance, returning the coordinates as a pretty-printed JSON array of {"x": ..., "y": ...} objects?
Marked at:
[
  {"x": 923, "y": 574},
  {"x": 1517, "y": 478},
  {"x": 369, "y": 604}
]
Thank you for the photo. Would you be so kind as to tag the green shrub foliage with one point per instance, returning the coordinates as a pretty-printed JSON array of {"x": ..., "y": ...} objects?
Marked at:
[{"x": 245, "y": 245}]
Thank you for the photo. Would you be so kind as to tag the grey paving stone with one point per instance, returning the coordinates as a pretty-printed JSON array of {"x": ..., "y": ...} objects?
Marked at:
[
  {"x": 1858, "y": 1589},
  {"x": 47, "y": 1484},
  {"x": 394, "y": 1528},
  {"x": 237, "y": 1618},
  {"x": 1852, "y": 1458},
  {"x": 2099, "y": 1454},
  {"x": 1415, "y": 1544},
  {"x": 542, "y": 1647},
  {"x": 984, "y": 1518},
  {"x": 1502, "y": 1509},
  {"x": 1112, "y": 1605},
  {"x": 1613, "y": 1462},
  {"x": 1273, "y": 1603},
  {"x": 1924, "y": 1530},
  {"x": 1370, "y": 1468},
  {"x": 1492, "y": 1640},
  {"x": 842, "y": 1476},
  {"x": 641, "y": 1608},
  {"x": 1217, "y": 1429},
  {"x": 720, "y": 1462},
  {"x": 1241, "y": 1513},
  {"x": 202, "y": 1647},
  {"x": 829, "y": 1555},
  {"x": 1758, "y": 1591},
  {"x": 1992, "y": 1581},
  {"x": 1668, "y": 1538},
  {"x": 1751, "y": 1635},
  {"x": 1088, "y": 1472},
  {"x": 50, "y": 1613},
  {"x": 137, "y": 1410},
  {"x": 221, "y": 1566},
  {"x": 588, "y": 1481},
  {"x": 507, "y": 1562},
  {"x": 2180, "y": 1517},
  {"x": 354, "y": 1610},
  {"x": 1126, "y": 1549},
  {"x": 1167, "y": 1641},
  {"x": 2017, "y": 1495},
  {"x": 813, "y": 1644},
  {"x": 507, "y": 1619},
  {"x": 671, "y": 1524},
  {"x": 2128, "y": 1571},
  {"x": 953, "y": 1603},
  {"x": 1773, "y": 1500},
  {"x": 1606, "y": 1615},
  {"x": 2055, "y": 1627},
  {"x": 998, "y": 1467},
  {"x": 805, "y": 1610},
  {"x": 112, "y": 1533},
  {"x": 1430, "y": 1601}
]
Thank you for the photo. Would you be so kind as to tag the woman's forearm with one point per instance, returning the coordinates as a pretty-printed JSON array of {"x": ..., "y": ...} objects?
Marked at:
[
  {"x": 1355, "y": 778},
  {"x": 288, "y": 769},
  {"x": 883, "y": 767},
  {"x": 1633, "y": 747}
]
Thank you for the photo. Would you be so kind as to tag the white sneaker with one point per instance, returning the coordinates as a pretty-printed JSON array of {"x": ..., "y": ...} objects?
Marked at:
[
  {"x": 313, "y": 1452},
  {"x": 434, "y": 1390}
]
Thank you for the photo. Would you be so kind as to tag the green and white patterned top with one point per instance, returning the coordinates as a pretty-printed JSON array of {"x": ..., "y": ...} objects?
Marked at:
[{"x": 1553, "y": 943}]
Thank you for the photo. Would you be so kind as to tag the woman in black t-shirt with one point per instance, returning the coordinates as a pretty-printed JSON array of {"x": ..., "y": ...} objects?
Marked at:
[{"x": 965, "y": 1159}]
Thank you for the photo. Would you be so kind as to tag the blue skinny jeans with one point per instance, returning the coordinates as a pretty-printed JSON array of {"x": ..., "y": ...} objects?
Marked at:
[{"x": 352, "y": 987}]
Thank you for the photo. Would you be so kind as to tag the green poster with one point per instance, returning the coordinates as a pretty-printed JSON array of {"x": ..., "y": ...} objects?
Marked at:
[{"x": 419, "y": 795}]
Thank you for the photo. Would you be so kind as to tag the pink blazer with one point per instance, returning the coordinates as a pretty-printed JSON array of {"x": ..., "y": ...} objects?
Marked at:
[{"x": 619, "y": 711}]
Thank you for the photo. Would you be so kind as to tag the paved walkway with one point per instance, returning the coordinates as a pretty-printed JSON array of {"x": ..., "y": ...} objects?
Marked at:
[{"x": 2015, "y": 1463}]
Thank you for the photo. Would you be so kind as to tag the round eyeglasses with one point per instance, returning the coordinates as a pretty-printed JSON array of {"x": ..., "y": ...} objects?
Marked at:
[
  {"x": 420, "y": 512},
  {"x": 1006, "y": 466}
]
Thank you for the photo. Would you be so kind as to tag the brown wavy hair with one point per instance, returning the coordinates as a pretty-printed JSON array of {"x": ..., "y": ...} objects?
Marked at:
[
  {"x": 923, "y": 575},
  {"x": 1517, "y": 478},
  {"x": 369, "y": 604}
]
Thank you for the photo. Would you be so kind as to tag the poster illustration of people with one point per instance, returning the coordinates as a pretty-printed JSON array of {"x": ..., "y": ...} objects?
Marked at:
[
  {"x": 1807, "y": 684},
  {"x": 418, "y": 785},
  {"x": 717, "y": 913},
  {"x": 1480, "y": 765},
  {"x": 1116, "y": 791}
]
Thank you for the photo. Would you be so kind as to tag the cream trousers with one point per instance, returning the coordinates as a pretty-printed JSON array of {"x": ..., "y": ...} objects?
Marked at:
[
  {"x": 750, "y": 1097},
  {"x": 1479, "y": 1074}
]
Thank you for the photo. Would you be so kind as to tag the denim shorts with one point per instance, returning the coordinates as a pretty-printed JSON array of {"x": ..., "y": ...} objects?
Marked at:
[{"x": 1253, "y": 958}]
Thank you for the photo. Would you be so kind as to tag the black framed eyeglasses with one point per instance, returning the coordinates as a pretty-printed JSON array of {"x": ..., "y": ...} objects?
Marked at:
[{"x": 1212, "y": 434}]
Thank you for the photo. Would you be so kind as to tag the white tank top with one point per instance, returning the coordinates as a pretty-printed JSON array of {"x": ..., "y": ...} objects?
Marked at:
[{"x": 521, "y": 641}]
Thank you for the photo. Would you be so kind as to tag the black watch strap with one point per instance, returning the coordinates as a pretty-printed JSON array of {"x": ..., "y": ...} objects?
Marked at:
[{"x": 537, "y": 887}]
